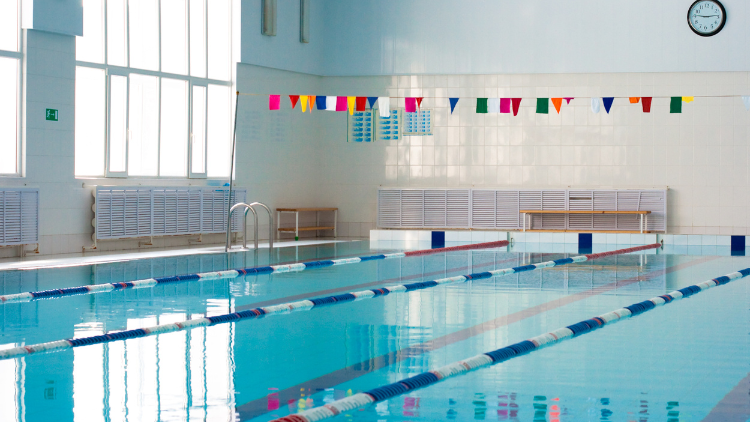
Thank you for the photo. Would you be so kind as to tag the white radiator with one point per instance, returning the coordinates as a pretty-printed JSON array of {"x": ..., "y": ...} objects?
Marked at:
[
  {"x": 19, "y": 216},
  {"x": 129, "y": 212},
  {"x": 499, "y": 208}
]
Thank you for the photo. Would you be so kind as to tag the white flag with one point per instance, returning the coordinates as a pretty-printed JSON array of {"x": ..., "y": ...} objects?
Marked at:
[
  {"x": 493, "y": 105},
  {"x": 331, "y": 103},
  {"x": 595, "y": 106},
  {"x": 384, "y": 104}
]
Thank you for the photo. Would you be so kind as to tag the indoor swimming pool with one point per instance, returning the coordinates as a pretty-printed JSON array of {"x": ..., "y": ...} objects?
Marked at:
[{"x": 684, "y": 362}]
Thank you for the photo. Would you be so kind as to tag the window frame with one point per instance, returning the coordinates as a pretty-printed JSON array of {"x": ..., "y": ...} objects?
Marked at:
[
  {"x": 18, "y": 55},
  {"x": 192, "y": 81}
]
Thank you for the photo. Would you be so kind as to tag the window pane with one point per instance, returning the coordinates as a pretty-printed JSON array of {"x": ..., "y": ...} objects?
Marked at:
[
  {"x": 174, "y": 36},
  {"x": 89, "y": 124},
  {"x": 219, "y": 45},
  {"x": 219, "y": 133},
  {"x": 116, "y": 52},
  {"x": 8, "y": 115},
  {"x": 118, "y": 124},
  {"x": 197, "y": 38},
  {"x": 174, "y": 128},
  {"x": 198, "y": 136},
  {"x": 9, "y": 25},
  {"x": 144, "y": 34},
  {"x": 90, "y": 47},
  {"x": 143, "y": 145}
]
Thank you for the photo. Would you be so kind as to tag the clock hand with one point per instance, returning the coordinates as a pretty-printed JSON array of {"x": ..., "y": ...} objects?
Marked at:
[{"x": 707, "y": 16}]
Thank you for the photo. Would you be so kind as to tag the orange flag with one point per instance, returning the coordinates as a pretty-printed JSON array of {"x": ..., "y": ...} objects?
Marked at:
[
  {"x": 557, "y": 102},
  {"x": 635, "y": 100},
  {"x": 312, "y": 101}
]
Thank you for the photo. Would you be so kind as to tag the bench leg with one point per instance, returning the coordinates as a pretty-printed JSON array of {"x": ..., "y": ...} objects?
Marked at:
[{"x": 296, "y": 225}]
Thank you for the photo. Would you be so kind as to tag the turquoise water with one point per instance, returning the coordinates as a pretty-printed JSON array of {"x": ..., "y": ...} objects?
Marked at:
[{"x": 675, "y": 363}]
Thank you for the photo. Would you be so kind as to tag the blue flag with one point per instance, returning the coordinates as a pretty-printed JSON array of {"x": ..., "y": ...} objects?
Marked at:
[
  {"x": 320, "y": 102},
  {"x": 608, "y": 103},
  {"x": 453, "y": 101},
  {"x": 372, "y": 101}
]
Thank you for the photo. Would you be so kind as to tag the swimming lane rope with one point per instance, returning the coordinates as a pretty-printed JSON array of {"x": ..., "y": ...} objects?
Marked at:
[
  {"x": 216, "y": 275},
  {"x": 501, "y": 355},
  {"x": 307, "y": 304}
]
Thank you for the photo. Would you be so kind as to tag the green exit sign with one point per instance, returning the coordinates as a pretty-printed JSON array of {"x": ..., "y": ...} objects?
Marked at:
[{"x": 52, "y": 114}]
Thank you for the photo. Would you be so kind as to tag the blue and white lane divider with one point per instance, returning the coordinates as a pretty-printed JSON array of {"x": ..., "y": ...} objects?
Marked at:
[
  {"x": 216, "y": 275},
  {"x": 301, "y": 305},
  {"x": 501, "y": 355}
]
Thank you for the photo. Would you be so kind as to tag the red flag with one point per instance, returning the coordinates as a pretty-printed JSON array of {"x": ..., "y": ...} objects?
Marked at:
[
  {"x": 361, "y": 103},
  {"x": 646, "y": 103},
  {"x": 294, "y": 99},
  {"x": 419, "y": 102},
  {"x": 516, "y": 104}
]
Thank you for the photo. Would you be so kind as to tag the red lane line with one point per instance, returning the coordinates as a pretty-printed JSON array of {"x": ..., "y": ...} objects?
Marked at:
[
  {"x": 498, "y": 244},
  {"x": 259, "y": 406},
  {"x": 734, "y": 407}
]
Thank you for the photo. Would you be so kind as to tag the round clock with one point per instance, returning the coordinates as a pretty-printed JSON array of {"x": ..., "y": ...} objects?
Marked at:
[{"x": 707, "y": 17}]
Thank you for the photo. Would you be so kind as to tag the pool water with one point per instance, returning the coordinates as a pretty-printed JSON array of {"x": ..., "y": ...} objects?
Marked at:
[{"x": 675, "y": 363}]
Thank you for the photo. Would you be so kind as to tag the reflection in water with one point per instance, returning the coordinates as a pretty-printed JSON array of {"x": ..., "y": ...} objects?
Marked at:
[
  {"x": 178, "y": 376},
  {"x": 11, "y": 388}
]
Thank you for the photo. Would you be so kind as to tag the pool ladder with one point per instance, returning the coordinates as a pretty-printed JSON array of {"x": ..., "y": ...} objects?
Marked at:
[{"x": 249, "y": 207}]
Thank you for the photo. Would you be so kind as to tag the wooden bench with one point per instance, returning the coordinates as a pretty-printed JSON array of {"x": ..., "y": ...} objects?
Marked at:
[
  {"x": 642, "y": 214},
  {"x": 296, "y": 229}
]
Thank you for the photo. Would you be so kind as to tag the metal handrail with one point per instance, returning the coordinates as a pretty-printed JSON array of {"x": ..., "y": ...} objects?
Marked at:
[
  {"x": 270, "y": 223},
  {"x": 249, "y": 207}
]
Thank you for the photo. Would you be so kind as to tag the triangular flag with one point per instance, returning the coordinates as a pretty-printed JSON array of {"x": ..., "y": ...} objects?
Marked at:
[
  {"x": 303, "y": 101},
  {"x": 274, "y": 101},
  {"x": 505, "y": 105},
  {"x": 361, "y": 103},
  {"x": 493, "y": 105},
  {"x": 567, "y": 99},
  {"x": 340, "y": 103},
  {"x": 320, "y": 102},
  {"x": 516, "y": 105},
  {"x": 411, "y": 105},
  {"x": 688, "y": 99},
  {"x": 557, "y": 102},
  {"x": 372, "y": 101},
  {"x": 542, "y": 105},
  {"x": 481, "y": 105},
  {"x": 352, "y": 101},
  {"x": 312, "y": 101},
  {"x": 419, "y": 102},
  {"x": 384, "y": 104},
  {"x": 294, "y": 99},
  {"x": 608, "y": 103},
  {"x": 453, "y": 102},
  {"x": 746, "y": 101},
  {"x": 675, "y": 105},
  {"x": 634, "y": 100},
  {"x": 646, "y": 103},
  {"x": 595, "y": 107}
]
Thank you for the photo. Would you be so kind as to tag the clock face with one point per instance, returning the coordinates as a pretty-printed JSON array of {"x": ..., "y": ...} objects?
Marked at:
[{"x": 707, "y": 17}]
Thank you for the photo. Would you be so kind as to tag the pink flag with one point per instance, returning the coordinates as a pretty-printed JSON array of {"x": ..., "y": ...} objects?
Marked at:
[
  {"x": 274, "y": 102},
  {"x": 568, "y": 99},
  {"x": 341, "y": 104},
  {"x": 411, "y": 105},
  {"x": 504, "y": 105}
]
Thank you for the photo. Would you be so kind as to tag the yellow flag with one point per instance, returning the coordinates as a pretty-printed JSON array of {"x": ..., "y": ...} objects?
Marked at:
[
  {"x": 303, "y": 100},
  {"x": 352, "y": 102},
  {"x": 688, "y": 99}
]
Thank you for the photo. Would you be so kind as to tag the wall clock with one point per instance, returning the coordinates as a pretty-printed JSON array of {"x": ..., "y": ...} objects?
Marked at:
[{"x": 707, "y": 17}]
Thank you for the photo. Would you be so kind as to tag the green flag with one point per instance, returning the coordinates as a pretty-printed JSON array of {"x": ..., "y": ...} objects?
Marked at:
[
  {"x": 675, "y": 106},
  {"x": 481, "y": 105},
  {"x": 542, "y": 105}
]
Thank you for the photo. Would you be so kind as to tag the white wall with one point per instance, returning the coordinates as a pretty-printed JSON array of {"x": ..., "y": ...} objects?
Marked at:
[{"x": 385, "y": 37}]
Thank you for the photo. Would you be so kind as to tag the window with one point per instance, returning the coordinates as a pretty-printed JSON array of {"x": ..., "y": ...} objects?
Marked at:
[
  {"x": 10, "y": 100},
  {"x": 153, "y": 89}
]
